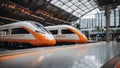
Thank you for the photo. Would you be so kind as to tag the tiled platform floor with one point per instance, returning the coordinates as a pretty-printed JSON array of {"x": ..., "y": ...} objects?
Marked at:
[{"x": 90, "y": 55}]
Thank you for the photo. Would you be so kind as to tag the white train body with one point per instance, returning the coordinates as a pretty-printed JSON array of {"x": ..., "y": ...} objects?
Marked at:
[
  {"x": 66, "y": 33},
  {"x": 28, "y": 32}
]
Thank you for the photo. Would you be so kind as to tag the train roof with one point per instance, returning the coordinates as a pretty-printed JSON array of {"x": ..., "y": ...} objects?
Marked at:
[{"x": 60, "y": 27}]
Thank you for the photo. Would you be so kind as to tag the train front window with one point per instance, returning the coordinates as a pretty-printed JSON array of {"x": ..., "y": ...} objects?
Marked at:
[
  {"x": 39, "y": 26},
  {"x": 67, "y": 32}
]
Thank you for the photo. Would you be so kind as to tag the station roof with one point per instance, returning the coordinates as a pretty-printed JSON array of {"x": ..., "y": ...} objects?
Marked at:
[
  {"x": 48, "y": 12},
  {"x": 77, "y": 8},
  {"x": 102, "y": 3}
]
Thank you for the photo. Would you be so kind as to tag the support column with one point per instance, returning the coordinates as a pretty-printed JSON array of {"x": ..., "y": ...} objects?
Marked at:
[
  {"x": 79, "y": 23},
  {"x": 119, "y": 17},
  {"x": 98, "y": 19},
  {"x": 115, "y": 18},
  {"x": 101, "y": 20},
  {"x": 107, "y": 14}
]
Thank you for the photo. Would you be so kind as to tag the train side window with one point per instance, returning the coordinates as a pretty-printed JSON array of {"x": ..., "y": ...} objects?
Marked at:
[
  {"x": 4, "y": 32},
  {"x": 67, "y": 32},
  {"x": 19, "y": 31},
  {"x": 54, "y": 31}
]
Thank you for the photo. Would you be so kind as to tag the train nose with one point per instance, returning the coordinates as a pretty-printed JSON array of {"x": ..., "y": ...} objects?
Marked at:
[
  {"x": 49, "y": 36},
  {"x": 51, "y": 42},
  {"x": 84, "y": 39}
]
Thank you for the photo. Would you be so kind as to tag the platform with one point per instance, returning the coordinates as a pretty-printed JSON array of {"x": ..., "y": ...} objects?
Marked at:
[{"x": 89, "y": 55}]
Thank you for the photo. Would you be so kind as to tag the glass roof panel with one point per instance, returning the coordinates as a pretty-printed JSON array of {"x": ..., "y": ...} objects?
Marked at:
[
  {"x": 83, "y": 13},
  {"x": 59, "y": 4},
  {"x": 74, "y": 13},
  {"x": 87, "y": 3},
  {"x": 69, "y": 4},
  {"x": 75, "y": 7},
  {"x": 86, "y": 10},
  {"x": 89, "y": 6},
  {"x": 74, "y": 1},
  {"x": 78, "y": 10},
  {"x": 64, "y": 7},
  {"x": 84, "y": 1},
  {"x": 83, "y": 8},
  {"x": 80, "y": 5},
  {"x": 77, "y": 3},
  {"x": 63, "y": 1},
  {"x": 69, "y": 10},
  {"x": 54, "y": 1}
]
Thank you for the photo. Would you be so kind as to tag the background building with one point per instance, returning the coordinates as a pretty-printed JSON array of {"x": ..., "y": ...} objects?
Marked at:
[{"x": 94, "y": 28}]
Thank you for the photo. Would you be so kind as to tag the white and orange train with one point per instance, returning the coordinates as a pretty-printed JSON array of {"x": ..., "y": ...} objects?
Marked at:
[
  {"x": 26, "y": 32},
  {"x": 67, "y": 34}
]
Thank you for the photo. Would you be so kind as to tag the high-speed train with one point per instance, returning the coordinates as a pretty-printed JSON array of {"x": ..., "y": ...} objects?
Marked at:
[
  {"x": 66, "y": 33},
  {"x": 26, "y": 32}
]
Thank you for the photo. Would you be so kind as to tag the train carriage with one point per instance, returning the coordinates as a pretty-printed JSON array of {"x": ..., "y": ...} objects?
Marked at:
[
  {"x": 68, "y": 34},
  {"x": 26, "y": 32}
]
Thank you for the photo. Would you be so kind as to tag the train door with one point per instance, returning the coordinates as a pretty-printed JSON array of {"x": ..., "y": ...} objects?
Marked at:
[{"x": 59, "y": 36}]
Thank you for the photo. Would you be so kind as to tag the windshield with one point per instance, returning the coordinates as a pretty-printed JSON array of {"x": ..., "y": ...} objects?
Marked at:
[{"x": 39, "y": 26}]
